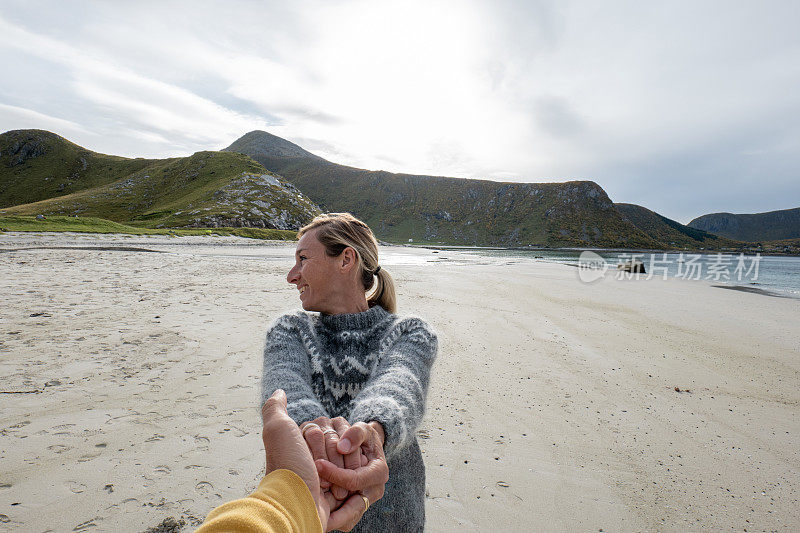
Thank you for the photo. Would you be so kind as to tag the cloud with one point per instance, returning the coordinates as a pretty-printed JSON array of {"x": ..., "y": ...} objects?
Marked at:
[
  {"x": 675, "y": 106},
  {"x": 149, "y": 108},
  {"x": 20, "y": 118}
]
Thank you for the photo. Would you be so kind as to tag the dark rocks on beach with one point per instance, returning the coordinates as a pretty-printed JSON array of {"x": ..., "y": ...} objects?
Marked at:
[
  {"x": 168, "y": 525},
  {"x": 634, "y": 267}
]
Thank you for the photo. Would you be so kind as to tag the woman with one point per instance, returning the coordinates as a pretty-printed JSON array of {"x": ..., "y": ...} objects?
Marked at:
[{"x": 348, "y": 359}]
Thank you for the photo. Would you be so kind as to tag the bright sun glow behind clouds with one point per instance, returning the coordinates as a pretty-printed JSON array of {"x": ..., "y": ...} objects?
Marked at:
[{"x": 682, "y": 107}]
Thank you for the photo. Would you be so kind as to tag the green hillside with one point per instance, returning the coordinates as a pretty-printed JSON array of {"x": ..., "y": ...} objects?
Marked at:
[
  {"x": 672, "y": 233},
  {"x": 769, "y": 226},
  {"x": 432, "y": 209},
  {"x": 207, "y": 189},
  {"x": 37, "y": 164},
  {"x": 99, "y": 225}
]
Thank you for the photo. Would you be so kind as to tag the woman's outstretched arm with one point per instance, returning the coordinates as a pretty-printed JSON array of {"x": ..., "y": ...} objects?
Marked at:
[
  {"x": 395, "y": 393},
  {"x": 287, "y": 367}
]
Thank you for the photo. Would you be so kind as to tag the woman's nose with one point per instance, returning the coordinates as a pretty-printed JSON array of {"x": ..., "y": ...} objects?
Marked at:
[{"x": 291, "y": 277}]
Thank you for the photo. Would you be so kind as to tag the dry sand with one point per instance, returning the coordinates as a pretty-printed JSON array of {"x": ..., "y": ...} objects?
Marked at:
[{"x": 130, "y": 389}]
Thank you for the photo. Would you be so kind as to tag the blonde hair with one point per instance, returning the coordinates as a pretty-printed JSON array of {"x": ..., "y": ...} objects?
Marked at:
[{"x": 338, "y": 231}]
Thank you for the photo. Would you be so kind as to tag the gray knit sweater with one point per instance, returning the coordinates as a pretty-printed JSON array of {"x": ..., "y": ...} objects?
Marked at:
[{"x": 363, "y": 366}]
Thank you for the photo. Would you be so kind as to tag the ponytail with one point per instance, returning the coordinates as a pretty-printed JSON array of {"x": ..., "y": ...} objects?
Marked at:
[{"x": 384, "y": 294}]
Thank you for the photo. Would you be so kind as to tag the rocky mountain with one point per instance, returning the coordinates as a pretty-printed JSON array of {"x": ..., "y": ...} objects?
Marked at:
[
  {"x": 263, "y": 144},
  {"x": 668, "y": 231},
  {"x": 42, "y": 173},
  {"x": 438, "y": 209},
  {"x": 769, "y": 226}
]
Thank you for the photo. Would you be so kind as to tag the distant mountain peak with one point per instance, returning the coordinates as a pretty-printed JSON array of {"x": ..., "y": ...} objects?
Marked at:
[
  {"x": 769, "y": 226},
  {"x": 264, "y": 144}
]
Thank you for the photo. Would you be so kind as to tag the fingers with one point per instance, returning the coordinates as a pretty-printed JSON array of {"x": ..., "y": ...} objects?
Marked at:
[
  {"x": 352, "y": 460},
  {"x": 347, "y": 516},
  {"x": 354, "y": 437},
  {"x": 331, "y": 440},
  {"x": 274, "y": 404},
  {"x": 315, "y": 441},
  {"x": 376, "y": 472},
  {"x": 332, "y": 502}
]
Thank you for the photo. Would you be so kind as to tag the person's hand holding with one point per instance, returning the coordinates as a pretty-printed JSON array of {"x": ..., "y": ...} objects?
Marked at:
[
  {"x": 322, "y": 437},
  {"x": 366, "y": 481},
  {"x": 285, "y": 448}
]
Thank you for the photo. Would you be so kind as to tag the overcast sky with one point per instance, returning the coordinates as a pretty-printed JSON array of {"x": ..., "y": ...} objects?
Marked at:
[{"x": 683, "y": 107}]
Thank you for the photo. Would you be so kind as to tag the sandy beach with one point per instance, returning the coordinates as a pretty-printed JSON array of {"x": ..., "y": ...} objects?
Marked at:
[{"x": 130, "y": 383}]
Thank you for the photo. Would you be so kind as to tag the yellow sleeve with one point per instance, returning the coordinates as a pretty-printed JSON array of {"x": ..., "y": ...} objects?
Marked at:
[{"x": 282, "y": 503}]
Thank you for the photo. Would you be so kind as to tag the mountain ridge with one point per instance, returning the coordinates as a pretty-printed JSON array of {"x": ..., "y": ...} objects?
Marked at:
[
  {"x": 776, "y": 225},
  {"x": 669, "y": 231},
  {"x": 206, "y": 189},
  {"x": 433, "y": 209}
]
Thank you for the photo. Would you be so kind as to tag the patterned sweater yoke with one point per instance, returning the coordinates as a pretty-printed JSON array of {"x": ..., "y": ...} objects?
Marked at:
[{"x": 365, "y": 366}]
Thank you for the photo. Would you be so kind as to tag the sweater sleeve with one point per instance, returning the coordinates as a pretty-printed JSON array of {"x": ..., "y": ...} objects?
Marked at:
[
  {"x": 395, "y": 393},
  {"x": 281, "y": 504},
  {"x": 287, "y": 367}
]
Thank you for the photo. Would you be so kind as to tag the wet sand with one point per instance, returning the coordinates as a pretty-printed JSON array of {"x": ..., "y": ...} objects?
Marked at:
[{"x": 130, "y": 389}]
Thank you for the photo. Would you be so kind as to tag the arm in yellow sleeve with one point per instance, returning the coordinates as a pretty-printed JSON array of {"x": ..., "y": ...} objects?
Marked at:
[{"x": 282, "y": 503}]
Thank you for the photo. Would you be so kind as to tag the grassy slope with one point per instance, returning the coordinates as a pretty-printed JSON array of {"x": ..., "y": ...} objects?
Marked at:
[
  {"x": 470, "y": 212},
  {"x": 671, "y": 232},
  {"x": 99, "y": 225},
  {"x": 36, "y": 165},
  {"x": 187, "y": 191}
]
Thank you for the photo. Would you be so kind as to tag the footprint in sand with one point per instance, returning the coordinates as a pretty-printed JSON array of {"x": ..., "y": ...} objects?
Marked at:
[
  {"x": 75, "y": 487},
  {"x": 59, "y": 448},
  {"x": 86, "y": 525},
  {"x": 204, "y": 487},
  {"x": 162, "y": 470},
  {"x": 88, "y": 457}
]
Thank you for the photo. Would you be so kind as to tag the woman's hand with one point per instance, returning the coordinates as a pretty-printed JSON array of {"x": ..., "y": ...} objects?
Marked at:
[
  {"x": 367, "y": 481},
  {"x": 322, "y": 436}
]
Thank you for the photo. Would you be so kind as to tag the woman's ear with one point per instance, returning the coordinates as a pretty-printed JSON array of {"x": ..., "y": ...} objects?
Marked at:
[{"x": 348, "y": 259}]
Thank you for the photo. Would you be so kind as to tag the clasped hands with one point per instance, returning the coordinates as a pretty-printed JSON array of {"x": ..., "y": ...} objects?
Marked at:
[
  {"x": 339, "y": 450},
  {"x": 342, "y": 471}
]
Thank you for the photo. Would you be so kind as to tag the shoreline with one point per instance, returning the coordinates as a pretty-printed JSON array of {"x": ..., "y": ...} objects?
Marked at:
[
  {"x": 609, "y": 250},
  {"x": 530, "y": 248},
  {"x": 123, "y": 242}
]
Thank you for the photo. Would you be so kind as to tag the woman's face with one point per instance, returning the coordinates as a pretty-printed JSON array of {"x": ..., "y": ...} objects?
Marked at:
[{"x": 315, "y": 274}]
